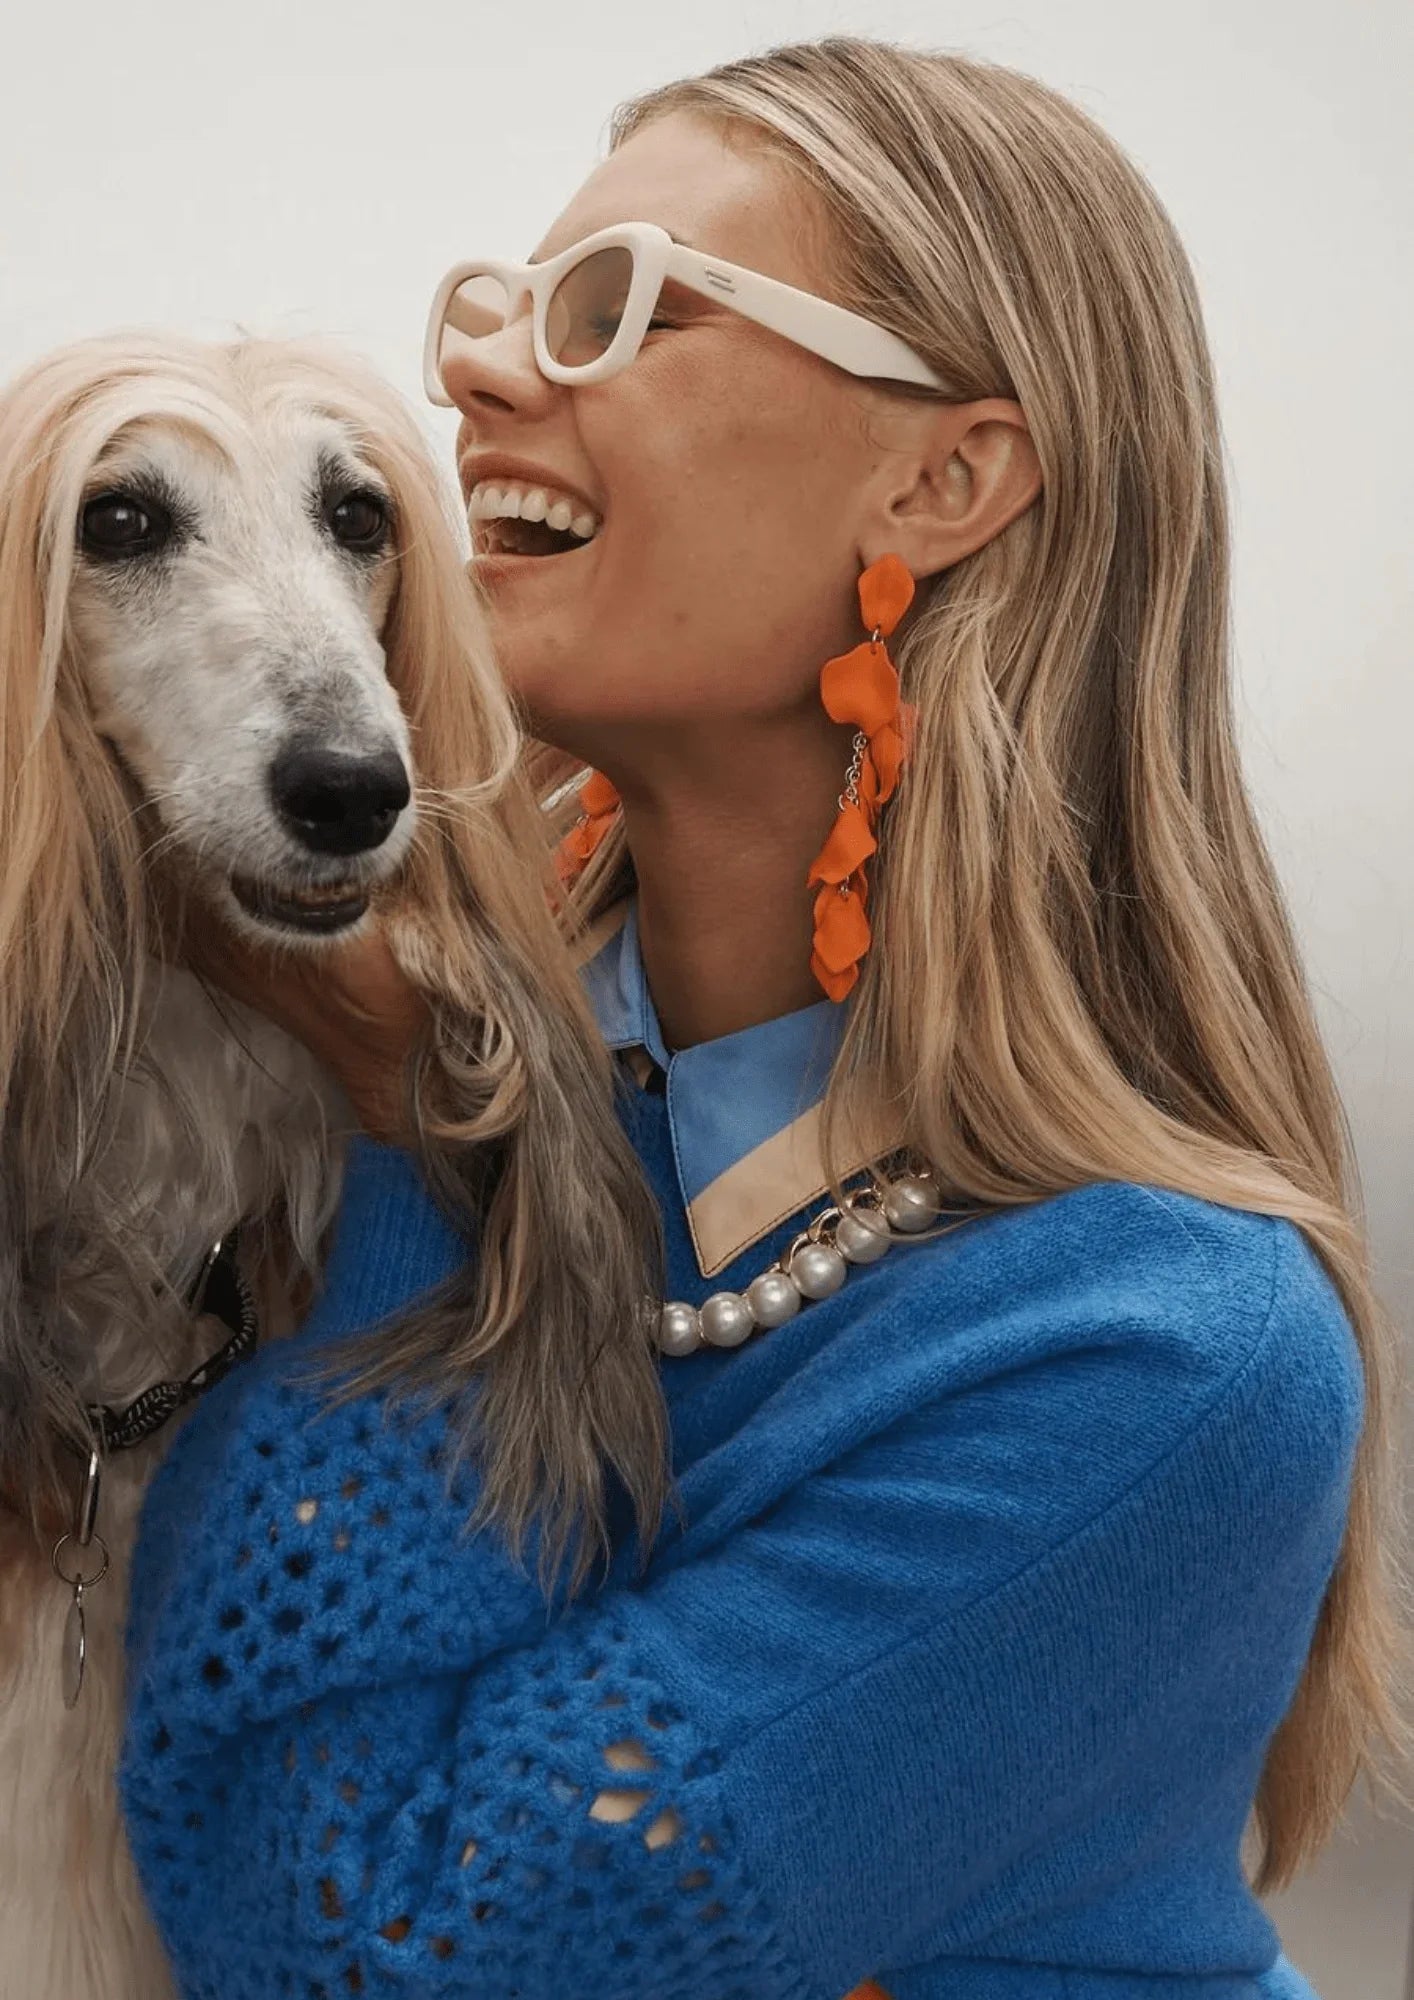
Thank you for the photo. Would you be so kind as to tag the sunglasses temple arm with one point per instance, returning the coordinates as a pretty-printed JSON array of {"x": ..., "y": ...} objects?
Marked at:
[{"x": 850, "y": 341}]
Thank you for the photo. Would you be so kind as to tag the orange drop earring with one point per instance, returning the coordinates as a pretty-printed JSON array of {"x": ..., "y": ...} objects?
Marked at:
[
  {"x": 861, "y": 687},
  {"x": 598, "y": 808}
]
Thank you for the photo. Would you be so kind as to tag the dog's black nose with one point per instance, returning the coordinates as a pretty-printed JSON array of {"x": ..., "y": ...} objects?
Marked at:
[{"x": 334, "y": 804}]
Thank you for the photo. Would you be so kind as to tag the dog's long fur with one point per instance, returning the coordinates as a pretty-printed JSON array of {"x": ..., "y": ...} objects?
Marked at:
[{"x": 142, "y": 1115}]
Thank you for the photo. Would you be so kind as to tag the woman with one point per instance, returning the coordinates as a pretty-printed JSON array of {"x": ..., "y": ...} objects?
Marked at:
[{"x": 1019, "y": 1562}]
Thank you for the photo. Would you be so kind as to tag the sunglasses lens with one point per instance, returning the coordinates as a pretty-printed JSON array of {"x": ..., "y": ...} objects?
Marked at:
[
  {"x": 476, "y": 308},
  {"x": 587, "y": 306}
]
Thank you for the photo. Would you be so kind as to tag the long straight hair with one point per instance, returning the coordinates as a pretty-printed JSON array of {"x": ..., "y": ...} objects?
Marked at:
[{"x": 1072, "y": 874}]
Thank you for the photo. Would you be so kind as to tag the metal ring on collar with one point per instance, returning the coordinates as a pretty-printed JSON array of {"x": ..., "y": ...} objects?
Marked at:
[{"x": 74, "y": 1582}]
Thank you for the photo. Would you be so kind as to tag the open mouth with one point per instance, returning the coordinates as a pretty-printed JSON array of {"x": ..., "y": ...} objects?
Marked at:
[
  {"x": 323, "y": 910},
  {"x": 523, "y": 538},
  {"x": 513, "y": 517}
]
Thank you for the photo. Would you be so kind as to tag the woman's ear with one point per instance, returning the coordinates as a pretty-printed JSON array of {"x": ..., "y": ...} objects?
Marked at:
[{"x": 967, "y": 471}]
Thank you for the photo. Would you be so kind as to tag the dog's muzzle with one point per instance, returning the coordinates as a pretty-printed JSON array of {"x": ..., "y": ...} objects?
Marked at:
[{"x": 332, "y": 804}]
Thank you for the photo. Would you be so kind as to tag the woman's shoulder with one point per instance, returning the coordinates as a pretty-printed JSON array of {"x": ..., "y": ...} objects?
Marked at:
[
  {"x": 1162, "y": 1302},
  {"x": 1100, "y": 1389},
  {"x": 1129, "y": 1250}
]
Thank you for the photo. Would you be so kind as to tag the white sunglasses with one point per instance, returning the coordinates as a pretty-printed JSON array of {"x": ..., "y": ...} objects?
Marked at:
[{"x": 592, "y": 305}]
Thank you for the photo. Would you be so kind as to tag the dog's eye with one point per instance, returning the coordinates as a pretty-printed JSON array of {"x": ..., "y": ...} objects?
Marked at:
[
  {"x": 115, "y": 525},
  {"x": 359, "y": 521}
]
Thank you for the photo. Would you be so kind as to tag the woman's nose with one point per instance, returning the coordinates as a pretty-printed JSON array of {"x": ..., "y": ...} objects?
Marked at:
[{"x": 499, "y": 369}]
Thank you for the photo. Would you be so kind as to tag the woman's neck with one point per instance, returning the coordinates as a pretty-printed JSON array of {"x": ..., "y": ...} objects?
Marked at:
[{"x": 721, "y": 851}]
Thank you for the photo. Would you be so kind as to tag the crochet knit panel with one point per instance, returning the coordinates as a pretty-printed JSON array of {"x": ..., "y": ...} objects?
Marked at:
[
  {"x": 551, "y": 1827},
  {"x": 549, "y": 1818},
  {"x": 337, "y": 1559}
]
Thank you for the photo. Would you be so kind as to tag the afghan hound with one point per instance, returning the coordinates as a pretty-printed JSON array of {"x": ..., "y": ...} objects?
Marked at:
[{"x": 245, "y": 682}]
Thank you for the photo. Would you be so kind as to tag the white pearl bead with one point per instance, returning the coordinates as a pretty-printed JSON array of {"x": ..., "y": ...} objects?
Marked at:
[
  {"x": 910, "y": 1205},
  {"x": 726, "y": 1319},
  {"x": 817, "y": 1270},
  {"x": 773, "y": 1299},
  {"x": 862, "y": 1236},
  {"x": 679, "y": 1329}
]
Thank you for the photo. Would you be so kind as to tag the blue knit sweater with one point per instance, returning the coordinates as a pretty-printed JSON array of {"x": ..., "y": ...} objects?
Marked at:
[{"x": 999, "y": 1571}]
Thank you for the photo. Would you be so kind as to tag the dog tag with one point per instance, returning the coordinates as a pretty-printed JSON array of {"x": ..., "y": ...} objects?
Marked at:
[{"x": 75, "y": 1650}]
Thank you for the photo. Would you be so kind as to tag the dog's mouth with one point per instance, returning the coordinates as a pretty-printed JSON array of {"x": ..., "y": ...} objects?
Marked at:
[{"x": 330, "y": 907}]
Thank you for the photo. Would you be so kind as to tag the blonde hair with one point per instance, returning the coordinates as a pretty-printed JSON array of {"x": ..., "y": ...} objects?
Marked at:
[
  {"x": 513, "y": 1089},
  {"x": 1071, "y": 873}
]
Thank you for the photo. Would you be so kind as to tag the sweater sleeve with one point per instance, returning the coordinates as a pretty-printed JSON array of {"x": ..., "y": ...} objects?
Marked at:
[{"x": 705, "y": 1789}]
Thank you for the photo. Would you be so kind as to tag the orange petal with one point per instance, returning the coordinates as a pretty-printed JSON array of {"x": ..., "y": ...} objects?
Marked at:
[
  {"x": 885, "y": 593},
  {"x": 885, "y": 753},
  {"x": 841, "y": 929},
  {"x": 597, "y": 795},
  {"x": 833, "y": 893},
  {"x": 583, "y": 840},
  {"x": 571, "y": 855},
  {"x": 836, "y": 984},
  {"x": 849, "y": 844},
  {"x": 837, "y": 679},
  {"x": 868, "y": 786},
  {"x": 860, "y": 687}
]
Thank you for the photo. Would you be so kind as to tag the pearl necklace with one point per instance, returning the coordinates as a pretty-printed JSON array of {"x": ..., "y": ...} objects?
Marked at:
[{"x": 814, "y": 1266}]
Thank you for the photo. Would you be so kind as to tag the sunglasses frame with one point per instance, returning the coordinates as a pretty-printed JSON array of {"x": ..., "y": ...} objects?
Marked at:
[{"x": 834, "y": 333}]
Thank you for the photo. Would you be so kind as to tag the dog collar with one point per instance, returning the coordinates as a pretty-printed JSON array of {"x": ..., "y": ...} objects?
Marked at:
[{"x": 220, "y": 1291}]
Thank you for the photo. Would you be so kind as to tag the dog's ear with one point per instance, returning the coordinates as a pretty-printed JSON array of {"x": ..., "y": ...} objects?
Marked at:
[
  {"x": 37, "y": 1407},
  {"x": 568, "y": 1272},
  {"x": 19, "y": 1386},
  {"x": 71, "y": 913},
  {"x": 546, "y": 1334},
  {"x": 71, "y": 909}
]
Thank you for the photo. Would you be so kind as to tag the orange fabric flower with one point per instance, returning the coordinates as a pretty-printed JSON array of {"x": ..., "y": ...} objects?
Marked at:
[{"x": 860, "y": 687}]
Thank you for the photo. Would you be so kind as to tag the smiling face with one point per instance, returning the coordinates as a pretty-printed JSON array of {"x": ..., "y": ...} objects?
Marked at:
[
  {"x": 708, "y": 496},
  {"x": 227, "y": 605}
]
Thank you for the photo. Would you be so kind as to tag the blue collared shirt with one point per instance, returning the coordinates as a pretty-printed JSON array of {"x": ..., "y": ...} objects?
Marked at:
[{"x": 742, "y": 1109}]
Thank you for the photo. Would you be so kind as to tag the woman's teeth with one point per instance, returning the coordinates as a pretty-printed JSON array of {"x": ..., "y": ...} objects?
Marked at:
[{"x": 511, "y": 501}]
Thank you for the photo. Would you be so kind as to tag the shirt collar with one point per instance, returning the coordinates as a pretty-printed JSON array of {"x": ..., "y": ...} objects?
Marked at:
[{"x": 743, "y": 1110}]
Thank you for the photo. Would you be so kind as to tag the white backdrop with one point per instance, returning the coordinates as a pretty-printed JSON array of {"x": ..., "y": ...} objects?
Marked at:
[{"x": 313, "y": 166}]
